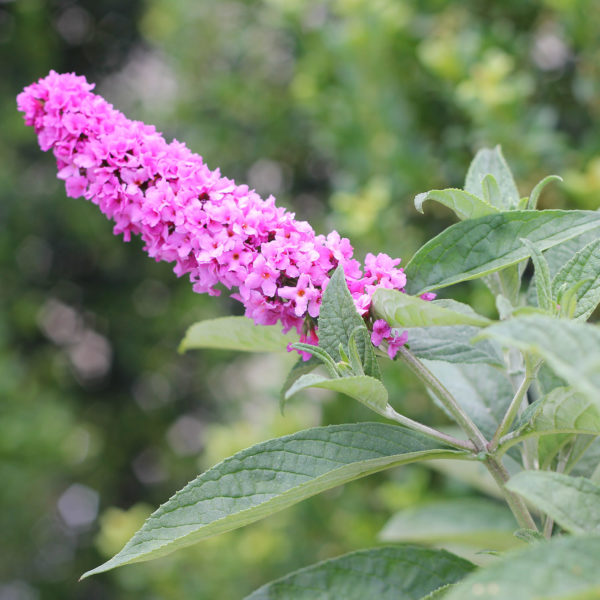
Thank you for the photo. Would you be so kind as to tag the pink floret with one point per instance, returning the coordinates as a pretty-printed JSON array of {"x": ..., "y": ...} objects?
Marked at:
[{"x": 213, "y": 230}]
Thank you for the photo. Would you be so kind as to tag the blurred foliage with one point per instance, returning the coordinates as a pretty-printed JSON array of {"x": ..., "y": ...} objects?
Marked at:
[{"x": 344, "y": 109}]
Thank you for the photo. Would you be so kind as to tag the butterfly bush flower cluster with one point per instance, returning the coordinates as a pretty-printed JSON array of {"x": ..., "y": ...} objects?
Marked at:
[{"x": 214, "y": 231}]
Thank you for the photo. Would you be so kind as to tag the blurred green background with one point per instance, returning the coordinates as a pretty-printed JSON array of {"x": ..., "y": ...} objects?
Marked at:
[{"x": 344, "y": 110}]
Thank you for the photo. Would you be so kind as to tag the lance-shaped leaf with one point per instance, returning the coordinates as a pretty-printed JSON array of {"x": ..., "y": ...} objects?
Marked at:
[
  {"x": 563, "y": 410},
  {"x": 543, "y": 284},
  {"x": 559, "y": 255},
  {"x": 585, "y": 265},
  {"x": 402, "y": 310},
  {"x": 339, "y": 319},
  {"x": 483, "y": 392},
  {"x": 465, "y": 205},
  {"x": 368, "y": 390},
  {"x": 475, "y": 522},
  {"x": 236, "y": 333},
  {"x": 566, "y": 568},
  {"x": 474, "y": 248},
  {"x": 453, "y": 344},
  {"x": 556, "y": 419},
  {"x": 571, "y": 348},
  {"x": 573, "y": 502},
  {"x": 537, "y": 190},
  {"x": 491, "y": 162},
  {"x": 388, "y": 573},
  {"x": 269, "y": 477}
]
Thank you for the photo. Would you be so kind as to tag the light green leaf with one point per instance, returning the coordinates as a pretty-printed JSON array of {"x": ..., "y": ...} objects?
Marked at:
[
  {"x": 473, "y": 248},
  {"x": 368, "y": 390},
  {"x": 236, "y": 333},
  {"x": 388, "y": 573},
  {"x": 543, "y": 285},
  {"x": 565, "y": 568},
  {"x": 465, "y": 205},
  {"x": 269, "y": 477},
  {"x": 467, "y": 521},
  {"x": 402, "y": 310},
  {"x": 571, "y": 348},
  {"x": 338, "y": 319},
  {"x": 491, "y": 162},
  {"x": 563, "y": 410},
  {"x": 452, "y": 343},
  {"x": 537, "y": 190},
  {"x": 583, "y": 265},
  {"x": 491, "y": 191},
  {"x": 440, "y": 593},
  {"x": 573, "y": 502},
  {"x": 560, "y": 254},
  {"x": 301, "y": 367},
  {"x": 482, "y": 391}
]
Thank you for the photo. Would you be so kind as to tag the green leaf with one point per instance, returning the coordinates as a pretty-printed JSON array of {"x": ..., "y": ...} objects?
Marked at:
[
  {"x": 269, "y": 477},
  {"x": 236, "y": 333},
  {"x": 338, "y": 319},
  {"x": 468, "y": 521},
  {"x": 491, "y": 191},
  {"x": 301, "y": 367},
  {"x": 402, "y": 310},
  {"x": 543, "y": 285},
  {"x": 465, "y": 205},
  {"x": 558, "y": 255},
  {"x": 320, "y": 355},
  {"x": 471, "y": 249},
  {"x": 573, "y": 502},
  {"x": 482, "y": 391},
  {"x": 583, "y": 265},
  {"x": 440, "y": 593},
  {"x": 368, "y": 390},
  {"x": 388, "y": 573},
  {"x": 491, "y": 162},
  {"x": 571, "y": 348},
  {"x": 537, "y": 190},
  {"x": 563, "y": 410},
  {"x": 565, "y": 568},
  {"x": 452, "y": 343}
]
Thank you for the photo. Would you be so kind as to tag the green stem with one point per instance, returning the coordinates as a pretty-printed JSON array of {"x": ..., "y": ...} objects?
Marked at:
[
  {"x": 446, "y": 398},
  {"x": 513, "y": 409},
  {"x": 515, "y": 502},
  {"x": 390, "y": 413}
]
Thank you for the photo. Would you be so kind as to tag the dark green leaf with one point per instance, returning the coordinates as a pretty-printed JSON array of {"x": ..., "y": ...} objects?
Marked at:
[
  {"x": 338, "y": 319},
  {"x": 388, "y": 573},
  {"x": 471, "y": 249},
  {"x": 269, "y": 477}
]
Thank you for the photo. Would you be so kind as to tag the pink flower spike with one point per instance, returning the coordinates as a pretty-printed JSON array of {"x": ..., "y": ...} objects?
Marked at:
[
  {"x": 429, "y": 296},
  {"x": 262, "y": 276},
  {"x": 301, "y": 294},
  {"x": 381, "y": 330}
]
